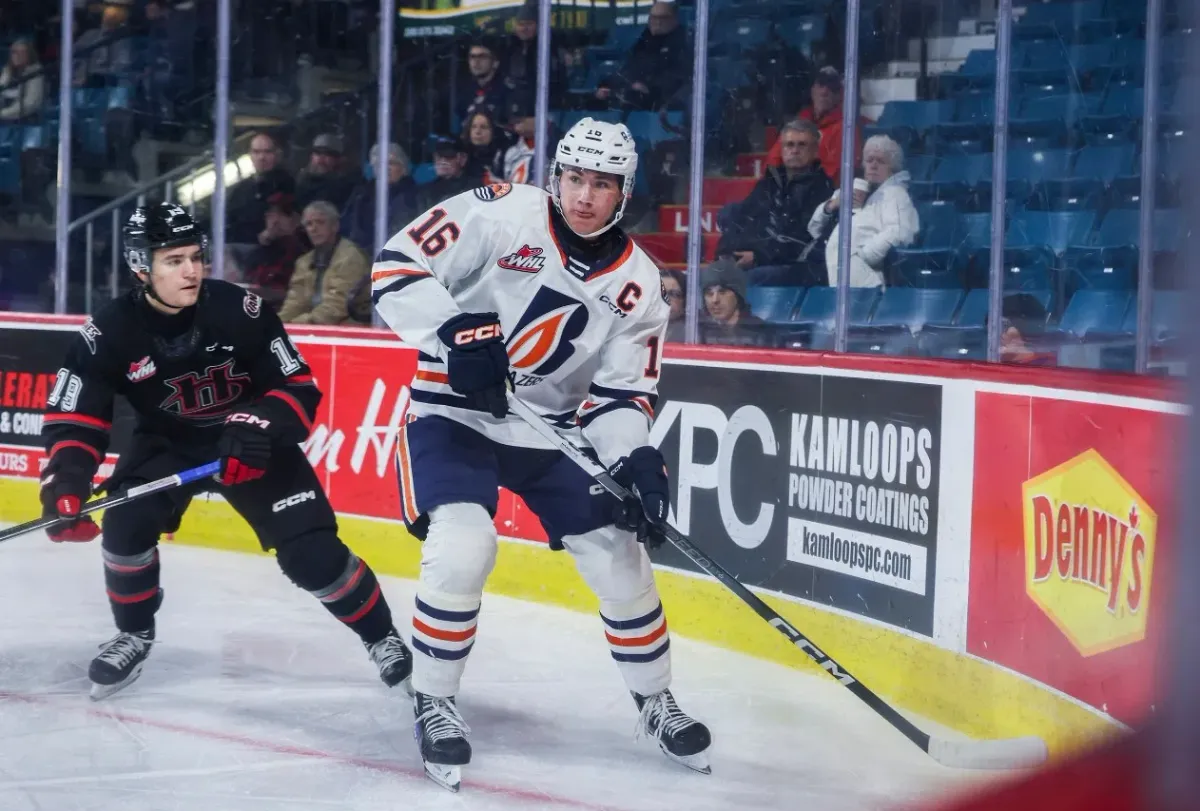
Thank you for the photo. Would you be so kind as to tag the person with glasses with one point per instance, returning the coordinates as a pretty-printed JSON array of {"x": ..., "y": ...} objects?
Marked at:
[
  {"x": 484, "y": 89},
  {"x": 674, "y": 293},
  {"x": 767, "y": 233}
]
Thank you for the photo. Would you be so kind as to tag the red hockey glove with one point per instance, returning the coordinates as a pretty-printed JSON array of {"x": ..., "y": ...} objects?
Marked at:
[
  {"x": 244, "y": 448},
  {"x": 62, "y": 495}
]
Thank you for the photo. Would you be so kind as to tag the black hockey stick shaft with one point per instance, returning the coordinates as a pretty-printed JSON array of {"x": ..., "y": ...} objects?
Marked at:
[
  {"x": 701, "y": 559},
  {"x": 132, "y": 494}
]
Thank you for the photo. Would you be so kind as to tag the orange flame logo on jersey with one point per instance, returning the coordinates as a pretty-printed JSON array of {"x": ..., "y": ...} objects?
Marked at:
[{"x": 542, "y": 341}]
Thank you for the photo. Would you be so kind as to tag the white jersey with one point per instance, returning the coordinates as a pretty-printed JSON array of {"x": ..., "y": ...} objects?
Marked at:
[{"x": 584, "y": 340}]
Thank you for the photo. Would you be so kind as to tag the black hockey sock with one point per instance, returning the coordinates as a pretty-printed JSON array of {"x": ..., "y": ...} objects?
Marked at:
[
  {"x": 132, "y": 582},
  {"x": 356, "y": 599}
]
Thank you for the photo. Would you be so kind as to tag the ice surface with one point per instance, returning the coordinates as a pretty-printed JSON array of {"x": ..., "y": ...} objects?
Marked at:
[{"x": 255, "y": 700}]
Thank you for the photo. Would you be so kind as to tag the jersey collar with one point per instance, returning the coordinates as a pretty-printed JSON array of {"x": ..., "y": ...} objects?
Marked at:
[{"x": 587, "y": 259}]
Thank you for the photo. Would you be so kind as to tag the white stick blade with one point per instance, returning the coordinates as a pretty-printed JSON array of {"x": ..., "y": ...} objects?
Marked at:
[{"x": 1009, "y": 753}]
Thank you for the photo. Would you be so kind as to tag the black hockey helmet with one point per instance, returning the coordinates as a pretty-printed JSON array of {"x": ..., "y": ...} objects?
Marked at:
[{"x": 160, "y": 225}]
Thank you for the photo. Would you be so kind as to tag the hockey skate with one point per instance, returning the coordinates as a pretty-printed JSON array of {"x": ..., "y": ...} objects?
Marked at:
[
  {"x": 119, "y": 663},
  {"x": 394, "y": 661},
  {"x": 681, "y": 737},
  {"x": 441, "y": 733}
]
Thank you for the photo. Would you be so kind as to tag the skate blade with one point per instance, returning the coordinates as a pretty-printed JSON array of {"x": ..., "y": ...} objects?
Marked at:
[
  {"x": 103, "y": 691},
  {"x": 407, "y": 687},
  {"x": 697, "y": 762},
  {"x": 448, "y": 777}
]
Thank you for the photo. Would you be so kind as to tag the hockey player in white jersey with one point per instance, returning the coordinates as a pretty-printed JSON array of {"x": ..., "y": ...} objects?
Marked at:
[{"x": 512, "y": 282}]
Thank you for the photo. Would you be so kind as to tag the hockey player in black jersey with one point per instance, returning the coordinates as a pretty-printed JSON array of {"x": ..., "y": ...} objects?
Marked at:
[{"x": 211, "y": 374}]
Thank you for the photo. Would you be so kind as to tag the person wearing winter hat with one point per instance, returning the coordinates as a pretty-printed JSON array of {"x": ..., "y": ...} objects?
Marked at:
[{"x": 727, "y": 318}]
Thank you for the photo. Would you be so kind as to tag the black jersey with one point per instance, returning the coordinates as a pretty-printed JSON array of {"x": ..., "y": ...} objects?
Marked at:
[{"x": 182, "y": 374}]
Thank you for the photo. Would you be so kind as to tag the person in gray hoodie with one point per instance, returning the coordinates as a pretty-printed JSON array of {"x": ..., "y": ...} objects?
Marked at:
[{"x": 884, "y": 216}]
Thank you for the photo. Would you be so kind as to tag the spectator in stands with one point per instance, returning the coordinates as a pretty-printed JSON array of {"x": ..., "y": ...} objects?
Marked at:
[
  {"x": 485, "y": 89},
  {"x": 884, "y": 215},
  {"x": 727, "y": 318},
  {"x": 767, "y": 233},
  {"x": 325, "y": 177},
  {"x": 516, "y": 163},
  {"x": 402, "y": 199},
  {"x": 518, "y": 62},
  {"x": 269, "y": 266},
  {"x": 325, "y": 287},
  {"x": 450, "y": 164},
  {"x": 1023, "y": 322},
  {"x": 22, "y": 85},
  {"x": 486, "y": 143},
  {"x": 674, "y": 290},
  {"x": 658, "y": 65},
  {"x": 247, "y": 201},
  {"x": 105, "y": 53},
  {"x": 826, "y": 112}
]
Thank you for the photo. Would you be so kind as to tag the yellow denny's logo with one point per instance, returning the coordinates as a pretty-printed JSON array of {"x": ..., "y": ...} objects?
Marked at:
[{"x": 1089, "y": 552}]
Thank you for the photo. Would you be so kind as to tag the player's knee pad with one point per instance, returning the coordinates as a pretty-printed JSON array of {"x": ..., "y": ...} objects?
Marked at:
[
  {"x": 313, "y": 561},
  {"x": 614, "y": 565},
  {"x": 460, "y": 549}
]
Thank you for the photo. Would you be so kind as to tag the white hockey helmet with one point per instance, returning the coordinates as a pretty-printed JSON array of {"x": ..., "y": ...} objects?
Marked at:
[{"x": 601, "y": 147}]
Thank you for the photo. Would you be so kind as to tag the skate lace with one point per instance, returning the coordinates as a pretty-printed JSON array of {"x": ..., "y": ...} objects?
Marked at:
[
  {"x": 387, "y": 652},
  {"x": 444, "y": 720},
  {"x": 122, "y": 649},
  {"x": 661, "y": 707}
]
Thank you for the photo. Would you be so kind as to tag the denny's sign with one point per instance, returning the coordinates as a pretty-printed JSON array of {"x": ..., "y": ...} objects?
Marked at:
[{"x": 1089, "y": 552}]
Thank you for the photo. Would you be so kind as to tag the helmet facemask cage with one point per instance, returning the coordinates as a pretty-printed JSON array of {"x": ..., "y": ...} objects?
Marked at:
[{"x": 600, "y": 147}]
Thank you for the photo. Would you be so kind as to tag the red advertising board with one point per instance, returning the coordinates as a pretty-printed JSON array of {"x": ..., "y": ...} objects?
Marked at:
[
  {"x": 353, "y": 443},
  {"x": 1073, "y": 519}
]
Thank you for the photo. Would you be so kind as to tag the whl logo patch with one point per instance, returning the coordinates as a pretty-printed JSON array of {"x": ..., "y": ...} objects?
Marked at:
[
  {"x": 1089, "y": 552},
  {"x": 526, "y": 260},
  {"x": 141, "y": 370}
]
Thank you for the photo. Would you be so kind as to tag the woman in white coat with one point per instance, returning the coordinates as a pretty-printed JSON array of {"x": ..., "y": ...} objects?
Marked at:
[{"x": 884, "y": 216}]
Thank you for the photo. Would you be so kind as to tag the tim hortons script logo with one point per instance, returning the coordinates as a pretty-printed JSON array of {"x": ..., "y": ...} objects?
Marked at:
[{"x": 324, "y": 447}]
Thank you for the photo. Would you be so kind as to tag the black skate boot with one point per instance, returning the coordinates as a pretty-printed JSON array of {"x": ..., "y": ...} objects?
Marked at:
[
  {"x": 120, "y": 662},
  {"x": 442, "y": 735},
  {"x": 394, "y": 661},
  {"x": 681, "y": 737}
]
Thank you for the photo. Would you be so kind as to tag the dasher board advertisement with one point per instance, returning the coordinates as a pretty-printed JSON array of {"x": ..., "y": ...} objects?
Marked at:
[
  {"x": 824, "y": 488},
  {"x": 1072, "y": 525}
]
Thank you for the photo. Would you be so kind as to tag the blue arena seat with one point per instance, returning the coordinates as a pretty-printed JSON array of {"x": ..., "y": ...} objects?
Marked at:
[
  {"x": 774, "y": 304},
  {"x": 1056, "y": 230},
  {"x": 1105, "y": 162},
  {"x": 1094, "y": 312},
  {"x": 913, "y": 308}
]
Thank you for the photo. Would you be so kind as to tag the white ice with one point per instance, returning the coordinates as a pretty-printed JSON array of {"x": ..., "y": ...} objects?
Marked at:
[{"x": 256, "y": 700}]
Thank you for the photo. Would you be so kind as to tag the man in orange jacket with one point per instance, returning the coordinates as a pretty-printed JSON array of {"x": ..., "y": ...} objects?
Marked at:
[{"x": 826, "y": 112}]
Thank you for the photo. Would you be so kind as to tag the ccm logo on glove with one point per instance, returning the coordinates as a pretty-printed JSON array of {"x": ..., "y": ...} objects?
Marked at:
[
  {"x": 292, "y": 501},
  {"x": 249, "y": 419},
  {"x": 470, "y": 336}
]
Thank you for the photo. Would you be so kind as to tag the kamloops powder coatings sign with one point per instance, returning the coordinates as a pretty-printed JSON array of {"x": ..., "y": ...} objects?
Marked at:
[{"x": 825, "y": 488}]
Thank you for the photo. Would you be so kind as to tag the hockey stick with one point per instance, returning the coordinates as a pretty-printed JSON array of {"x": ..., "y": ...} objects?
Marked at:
[
  {"x": 963, "y": 754},
  {"x": 133, "y": 493}
]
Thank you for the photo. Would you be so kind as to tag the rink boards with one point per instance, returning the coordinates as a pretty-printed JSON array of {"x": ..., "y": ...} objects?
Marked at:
[{"x": 986, "y": 547}]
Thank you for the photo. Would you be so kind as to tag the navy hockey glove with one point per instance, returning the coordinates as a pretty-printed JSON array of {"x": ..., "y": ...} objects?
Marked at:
[
  {"x": 477, "y": 363},
  {"x": 644, "y": 473},
  {"x": 63, "y": 493},
  {"x": 244, "y": 447}
]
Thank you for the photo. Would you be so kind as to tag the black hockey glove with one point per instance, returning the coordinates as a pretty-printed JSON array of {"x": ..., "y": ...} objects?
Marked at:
[
  {"x": 477, "y": 363},
  {"x": 244, "y": 447},
  {"x": 63, "y": 492},
  {"x": 644, "y": 473}
]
